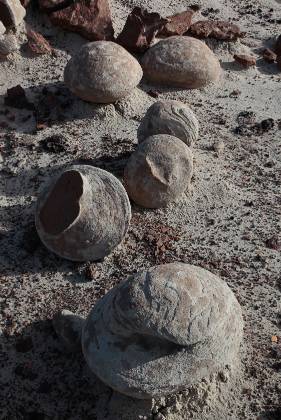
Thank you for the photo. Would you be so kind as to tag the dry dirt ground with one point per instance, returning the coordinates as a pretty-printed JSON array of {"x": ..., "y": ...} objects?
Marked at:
[{"x": 229, "y": 223}]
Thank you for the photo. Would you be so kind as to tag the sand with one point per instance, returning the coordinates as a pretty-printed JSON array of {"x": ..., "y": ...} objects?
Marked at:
[{"x": 229, "y": 223}]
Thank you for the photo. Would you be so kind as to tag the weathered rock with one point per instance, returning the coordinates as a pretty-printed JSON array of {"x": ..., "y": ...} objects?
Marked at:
[
  {"x": 183, "y": 62},
  {"x": 90, "y": 18},
  {"x": 11, "y": 12},
  {"x": 140, "y": 30},
  {"x": 68, "y": 327},
  {"x": 2, "y": 28},
  {"x": 163, "y": 330},
  {"x": 217, "y": 29},
  {"x": 170, "y": 117},
  {"x": 8, "y": 44},
  {"x": 245, "y": 60},
  {"x": 177, "y": 24},
  {"x": 84, "y": 214},
  {"x": 278, "y": 46},
  {"x": 159, "y": 171},
  {"x": 37, "y": 43},
  {"x": 91, "y": 75},
  {"x": 269, "y": 55}
]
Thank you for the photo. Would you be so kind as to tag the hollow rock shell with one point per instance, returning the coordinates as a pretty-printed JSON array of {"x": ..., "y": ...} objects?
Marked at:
[
  {"x": 102, "y": 72},
  {"x": 159, "y": 171},
  {"x": 84, "y": 214},
  {"x": 181, "y": 61},
  {"x": 170, "y": 117},
  {"x": 162, "y": 330}
]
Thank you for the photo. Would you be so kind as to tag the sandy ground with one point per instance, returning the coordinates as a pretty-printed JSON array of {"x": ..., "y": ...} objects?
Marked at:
[{"x": 229, "y": 224}]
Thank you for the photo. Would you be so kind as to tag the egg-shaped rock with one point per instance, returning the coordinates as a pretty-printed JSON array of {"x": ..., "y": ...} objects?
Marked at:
[
  {"x": 83, "y": 214},
  {"x": 181, "y": 61},
  {"x": 170, "y": 117},
  {"x": 102, "y": 72},
  {"x": 162, "y": 330},
  {"x": 159, "y": 171}
]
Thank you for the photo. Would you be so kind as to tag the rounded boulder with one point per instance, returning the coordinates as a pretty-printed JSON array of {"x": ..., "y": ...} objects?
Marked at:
[{"x": 102, "y": 72}]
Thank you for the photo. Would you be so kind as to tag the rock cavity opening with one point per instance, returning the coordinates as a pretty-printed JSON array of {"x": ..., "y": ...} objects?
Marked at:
[{"x": 62, "y": 205}]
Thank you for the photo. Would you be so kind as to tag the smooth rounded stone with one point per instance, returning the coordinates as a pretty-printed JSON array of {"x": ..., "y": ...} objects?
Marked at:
[
  {"x": 159, "y": 171},
  {"x": 83, "y": 214},
  {"x": 170, "y": 117},
  {"x": 68, "y": 327},
  {"x": 8, "y": 44},
  {"x": 181, "y": 61},
  {"x": 162, "y": 330},
  {"x": 102, "y": 72}
]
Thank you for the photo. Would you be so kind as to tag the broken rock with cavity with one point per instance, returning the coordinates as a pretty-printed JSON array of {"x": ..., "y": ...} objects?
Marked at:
[
  {"x": 11, "y": 13},
  {"x": 89, "y": 18}
]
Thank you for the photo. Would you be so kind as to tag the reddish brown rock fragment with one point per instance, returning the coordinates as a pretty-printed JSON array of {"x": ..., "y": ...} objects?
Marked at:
[
  {"x": 278, "y": 46},
  {"x": 221, "y": 30},
  {"x": 140, "y": 30},
  {"x": 245, "y": 60},
  {"x": 178, "y": 24},
  {"x": 269, "y": 55},
  {"x": 37, "y": 43},
  {"x": 90, "y": 18}
]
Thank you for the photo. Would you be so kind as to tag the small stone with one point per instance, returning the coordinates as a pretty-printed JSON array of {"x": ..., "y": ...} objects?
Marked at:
[
  {"x": 11, "y": 12},
  {"x": 245, "y": 60},
  {"x": 221, "y": 30},
  {"x": 2, "y": 28},
  {"x": 170, "y": 117},
  {"x": 163, "y": 330},
  {"x": 277, "y": 48},
  {"x": 140, "y": 30},
  {"x": 218, "y": 147},
  {"x": 269, "y": 55},
  {"x": 16, "y": 98},
  {"x": 83, "y": 214},
  {"x": 181, "y": 61},
  {"x": 89, "y": 18},
  {"x": 159, "y": 171},
  {"x": 91, "y": 76},
  {"x": 37, "y": 43},
  {"x": 8, "y": 44},
  {"x": 177, "y": 24},
  {"x": 68, "y": 327}
]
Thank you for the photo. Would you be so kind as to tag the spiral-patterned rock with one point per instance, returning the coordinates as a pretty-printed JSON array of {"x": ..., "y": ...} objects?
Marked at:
[
  {"x": 162, "y": 330},
  {"x": 84, "y": 214},
  {"x": 170, "y": 117}
]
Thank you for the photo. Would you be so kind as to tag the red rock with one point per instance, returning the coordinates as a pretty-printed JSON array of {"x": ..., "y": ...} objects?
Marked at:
[
  {"x": 222, "y": 30},
  {"x": 140, "y": 30},
  {"x": 37, "y": 43},
  {"x": 178, "y": 24},
  {"x": 89, "y": 18},
  {"x": 269, "y": 55},
  {"x": 245, "y": 60},
  {"x": 279, "y": 62},
  {"x": 278, "y": 46}
]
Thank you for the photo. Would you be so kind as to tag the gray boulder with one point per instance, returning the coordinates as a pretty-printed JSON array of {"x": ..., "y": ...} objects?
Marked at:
[
  {"x": 170, "y": 117},
  {"x": 83, "y": 214},
  {"x": 162, "y": 330}
]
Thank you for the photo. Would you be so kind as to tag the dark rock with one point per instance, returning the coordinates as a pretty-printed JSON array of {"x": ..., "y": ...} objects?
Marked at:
[
  {"x": 273, "y": 243},
  {"x": 37, "y": 43},
  {"x": 25, "y": 3},
  {"x": 245, "y": 60},
  {"x": 248, "y": 125},
  {"x": 89, "y": 18},
  {"x": 178, "y": 24},
  {"x": 279, "y": 62},
  {"x": 17, "y": 99},
  {"x": 24, "y": 345},
  {"x": 49, "y": 6},
  {"x": 140, "y": 30},
  {"x": 278, "y": 46},
  {"x": 269, "y": 55},
  {"x": 217, "y": 29}
]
